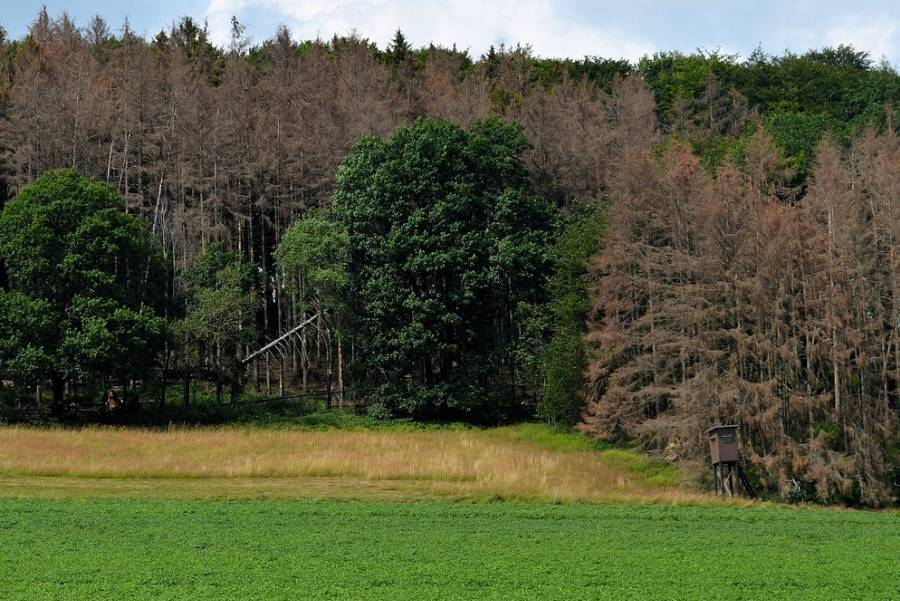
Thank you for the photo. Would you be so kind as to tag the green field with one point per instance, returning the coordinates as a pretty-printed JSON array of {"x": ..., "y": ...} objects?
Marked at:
[{"x": 122, "y": 550}]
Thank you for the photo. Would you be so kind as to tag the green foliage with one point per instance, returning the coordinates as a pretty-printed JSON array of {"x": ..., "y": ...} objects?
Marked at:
[
  {"x": 673, "y": 75},
  {"x": 840, "y": 83},
  {"x": 485, "y": 551},
  {"x": 314, "y": 254},
  {"x": 564, "y": 359},
  {"x": 313, "y": 257},
  {"x": 208, "y": 269},
  {"x": 221, "y": 313},
  {"x": 446, "y": 242},
  {"x": 194, "y": 40},
  {"x": 82, "y": 278},
  {"x": 550, "y": 438},
  {"x": 798, "y": 97},
  {"x": 598, "y": 70},
  {"x": 715, "y": 150},
  {"x": 399, "y": 50},
  {"x": 223, "y": 301},
  {"x": 797, "y": 135},
  {"x": 26, "y": 337},
  {"x": 534, "y": 323},
  {"x": 112, "y": 339},
  {"x": 564, "y": 367}
]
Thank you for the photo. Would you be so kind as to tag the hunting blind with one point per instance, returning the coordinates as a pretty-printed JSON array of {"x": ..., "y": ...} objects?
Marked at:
[
  {"x": 723, "y": 449},
  {"x": 723, "y": 444}
]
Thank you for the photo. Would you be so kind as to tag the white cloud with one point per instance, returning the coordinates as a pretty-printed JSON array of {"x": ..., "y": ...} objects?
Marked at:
[
  {"x": 880, "y": 39},
  {"x": 877, "y": 35},
  {"x": 473, "y": 24}
]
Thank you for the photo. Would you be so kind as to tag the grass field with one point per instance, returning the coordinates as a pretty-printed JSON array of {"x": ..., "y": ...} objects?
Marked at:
[
  {"x": 400, "y": 513},
  {"x": 522, "y": 462},
  {"x": 113, "y": 550}
]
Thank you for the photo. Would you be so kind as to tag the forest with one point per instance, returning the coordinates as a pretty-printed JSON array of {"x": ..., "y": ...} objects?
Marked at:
[{"x": 637, "y": 250}]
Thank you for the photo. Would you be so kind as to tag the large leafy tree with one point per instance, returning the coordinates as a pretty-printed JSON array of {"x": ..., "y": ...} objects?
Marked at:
[
  {"x": 80, "y": 298},
  {"x": 447, "y": 247}
]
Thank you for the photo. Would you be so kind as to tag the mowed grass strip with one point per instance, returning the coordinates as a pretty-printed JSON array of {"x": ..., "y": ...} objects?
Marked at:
[
  {"x": 114, "y": 550},
  {"x": 526, "y": 462}
]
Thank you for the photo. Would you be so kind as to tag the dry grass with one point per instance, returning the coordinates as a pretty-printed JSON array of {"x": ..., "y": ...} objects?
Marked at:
[{"x": 237, "y": 463}]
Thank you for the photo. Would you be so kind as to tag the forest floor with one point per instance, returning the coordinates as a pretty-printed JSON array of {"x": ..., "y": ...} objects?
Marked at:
[{"x": 402, "y": 512}]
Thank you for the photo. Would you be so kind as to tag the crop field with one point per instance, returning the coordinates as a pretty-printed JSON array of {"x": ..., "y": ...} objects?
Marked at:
[
  {"x": 509, "y": 513},
  {"x": 196, "y": 550}
]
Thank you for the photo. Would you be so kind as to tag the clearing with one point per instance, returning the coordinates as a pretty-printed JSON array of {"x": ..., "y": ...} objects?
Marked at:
[{"x": 527, "y": 462}]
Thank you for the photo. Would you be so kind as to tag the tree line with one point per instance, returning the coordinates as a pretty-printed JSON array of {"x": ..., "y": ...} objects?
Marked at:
[{"x": 645, "y": 249}]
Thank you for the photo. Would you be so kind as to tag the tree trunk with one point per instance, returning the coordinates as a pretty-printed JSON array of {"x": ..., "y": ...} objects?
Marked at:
[
  {"x": 236, "y": 388},
  {"x": 165, "y": 380},
  {"x": 304, "y": 358},
  {"x": 295, "y": 368},
  {"x": 59, "y": 388},
  {"x": 340, "y": 373}
]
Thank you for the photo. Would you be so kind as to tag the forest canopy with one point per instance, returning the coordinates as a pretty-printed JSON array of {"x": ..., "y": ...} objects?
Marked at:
[{"x": 641, "y": 249}]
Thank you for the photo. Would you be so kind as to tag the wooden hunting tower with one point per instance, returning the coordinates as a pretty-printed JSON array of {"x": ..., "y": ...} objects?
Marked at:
[
  {"x": 723, "y": 449},
  {"x": 723, "y": 444}
]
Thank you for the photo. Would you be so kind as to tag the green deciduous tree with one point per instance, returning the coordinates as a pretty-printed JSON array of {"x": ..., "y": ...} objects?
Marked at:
[
  {"x": 564, "y": 359},
  {"x": 220, "y": 317},
  {"x": 81, "y": 293},
  {"x": 447, "y": 244},
  {"x": 314, "y": 255}
]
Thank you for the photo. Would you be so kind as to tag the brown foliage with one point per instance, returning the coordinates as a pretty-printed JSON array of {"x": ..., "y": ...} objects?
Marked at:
[
  {"x": 231, "y": 146},
  {"x": 214, "y": 146},
  {"x": 715, "y": 302},
  {"x": 203, "y": 142}
]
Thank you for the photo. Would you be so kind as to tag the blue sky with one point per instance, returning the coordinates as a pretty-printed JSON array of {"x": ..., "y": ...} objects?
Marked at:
[{"x": 628, "y": 28}]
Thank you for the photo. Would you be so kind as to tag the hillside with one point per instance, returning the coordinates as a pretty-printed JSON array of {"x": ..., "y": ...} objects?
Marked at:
[{"x": 640, "y": 250}]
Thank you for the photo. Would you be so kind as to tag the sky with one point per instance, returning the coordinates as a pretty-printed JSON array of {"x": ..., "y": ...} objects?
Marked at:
[{"x": 563, "y": 28}]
